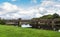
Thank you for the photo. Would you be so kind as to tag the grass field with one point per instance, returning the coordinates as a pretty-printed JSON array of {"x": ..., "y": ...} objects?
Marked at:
[{"x": 12, "y": 31}]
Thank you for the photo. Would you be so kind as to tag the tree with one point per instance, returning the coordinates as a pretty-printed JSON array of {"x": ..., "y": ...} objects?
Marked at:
[
  {"x": 55, "y": 15},
  {"x": 46, "y": 17},
  {"x": 2, "y": 21}
]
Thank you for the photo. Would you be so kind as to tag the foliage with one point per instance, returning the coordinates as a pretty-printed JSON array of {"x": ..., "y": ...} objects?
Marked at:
[
  {"x": 46, "y": 17},
  {"x": 55, "y": 16},
  {"x": 2, "y": 21}
]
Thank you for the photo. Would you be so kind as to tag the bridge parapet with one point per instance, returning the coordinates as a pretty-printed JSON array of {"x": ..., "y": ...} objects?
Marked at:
[{"x": 24, "y": 22}]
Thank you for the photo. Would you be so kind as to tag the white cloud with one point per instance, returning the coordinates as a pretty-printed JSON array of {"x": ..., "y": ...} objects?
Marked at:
[
  {"x": 50, "y": 7},
  {"x": 8, "y": 10},
  {"x": 7, "y": 7}
]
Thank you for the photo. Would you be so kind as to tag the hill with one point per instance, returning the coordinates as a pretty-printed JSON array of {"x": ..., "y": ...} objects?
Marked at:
[{"x": 12, "y": 31}]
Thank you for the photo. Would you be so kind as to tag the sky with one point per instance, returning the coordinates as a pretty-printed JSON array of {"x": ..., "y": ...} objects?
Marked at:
[{"x": 27, "y": 9}]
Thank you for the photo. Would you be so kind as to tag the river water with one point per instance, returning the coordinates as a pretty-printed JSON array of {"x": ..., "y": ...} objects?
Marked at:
[{"x": 25, "y": 25}]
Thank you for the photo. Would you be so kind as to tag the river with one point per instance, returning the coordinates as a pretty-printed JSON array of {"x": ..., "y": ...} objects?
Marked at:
[{"x": 25, "y": 25}]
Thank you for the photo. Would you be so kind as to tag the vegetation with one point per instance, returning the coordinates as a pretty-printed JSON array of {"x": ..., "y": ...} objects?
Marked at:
[
  {"x": 47, "y": 17},
  {"x": 2, "y": 21},
  {"x": 55, "y": 15},
  {"x": 11, "y": 31},
  {"x": 46, "y": 21}
]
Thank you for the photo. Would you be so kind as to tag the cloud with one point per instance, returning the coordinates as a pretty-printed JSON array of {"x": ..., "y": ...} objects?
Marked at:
[
  {"x": 47, "y": 7},
  {"x": 50, "y": 7},
  {"x": 9, "y": 7},
  {"x": 8, "y": 10}
]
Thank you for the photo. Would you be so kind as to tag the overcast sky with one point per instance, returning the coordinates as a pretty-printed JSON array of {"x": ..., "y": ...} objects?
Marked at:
[{"x": 27, "y": 9}]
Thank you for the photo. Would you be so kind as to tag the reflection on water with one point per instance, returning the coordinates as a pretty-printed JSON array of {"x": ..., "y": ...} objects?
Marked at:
[{"x": 25, "y": 25}]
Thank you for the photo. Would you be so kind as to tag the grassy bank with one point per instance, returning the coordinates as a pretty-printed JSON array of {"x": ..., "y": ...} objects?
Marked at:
[{"x": 11, "y": 31}]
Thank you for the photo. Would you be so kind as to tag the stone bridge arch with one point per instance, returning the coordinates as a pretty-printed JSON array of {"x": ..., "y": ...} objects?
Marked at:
[{"x": 24, "y": 22}]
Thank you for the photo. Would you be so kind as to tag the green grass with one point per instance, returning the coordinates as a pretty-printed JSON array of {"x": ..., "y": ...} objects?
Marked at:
[{"x": 11, "y": 31}]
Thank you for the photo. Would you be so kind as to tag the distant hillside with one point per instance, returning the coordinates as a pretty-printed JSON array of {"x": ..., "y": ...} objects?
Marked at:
[{"x": 11, "y": 31}]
